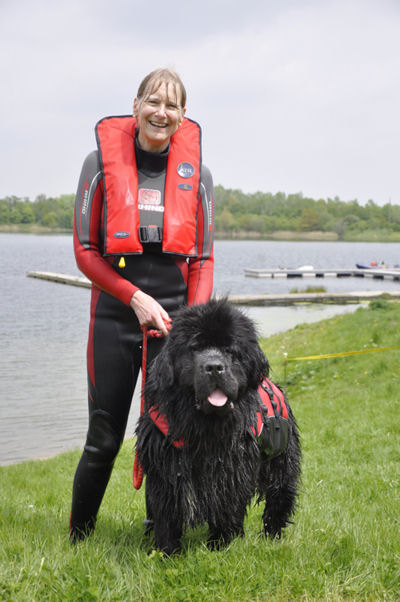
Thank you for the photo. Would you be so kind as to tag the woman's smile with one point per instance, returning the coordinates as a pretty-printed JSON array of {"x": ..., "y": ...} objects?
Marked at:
[{"x": 158, "y": 117}]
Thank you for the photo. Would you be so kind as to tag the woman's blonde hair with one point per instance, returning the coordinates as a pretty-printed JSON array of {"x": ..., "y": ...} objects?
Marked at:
[{"x": 153, "y": 81}]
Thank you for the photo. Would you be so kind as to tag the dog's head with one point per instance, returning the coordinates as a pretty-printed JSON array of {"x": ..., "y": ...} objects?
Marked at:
[{"x": 211, "y": 355}]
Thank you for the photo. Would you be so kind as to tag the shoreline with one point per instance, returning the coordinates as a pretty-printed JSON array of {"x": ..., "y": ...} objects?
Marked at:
[
  {"x": 269, "y": 321},
  {"x": 278, "y": 235}
]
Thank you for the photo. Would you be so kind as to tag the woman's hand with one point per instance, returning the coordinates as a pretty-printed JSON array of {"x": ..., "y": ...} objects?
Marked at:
[{"x": 149, "y": 312}]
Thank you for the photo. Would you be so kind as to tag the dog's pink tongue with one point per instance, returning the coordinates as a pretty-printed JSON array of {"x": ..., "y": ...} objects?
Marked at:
[{"x": 217, "y": 398}]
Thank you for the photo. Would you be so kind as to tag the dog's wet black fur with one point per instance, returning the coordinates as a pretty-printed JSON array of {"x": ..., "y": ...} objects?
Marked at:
[{"x": 205, "y": 382}]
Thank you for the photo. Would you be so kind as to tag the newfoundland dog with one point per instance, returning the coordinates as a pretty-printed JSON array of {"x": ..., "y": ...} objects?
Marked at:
[{"x": 216, "y": 431}]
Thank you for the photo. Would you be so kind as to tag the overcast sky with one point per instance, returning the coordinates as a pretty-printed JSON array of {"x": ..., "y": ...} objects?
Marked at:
[{"x": 291, "y": 95}]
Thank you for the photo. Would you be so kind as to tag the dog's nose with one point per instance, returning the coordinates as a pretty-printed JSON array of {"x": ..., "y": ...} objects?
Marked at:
[{"x": 214, "y": 367}]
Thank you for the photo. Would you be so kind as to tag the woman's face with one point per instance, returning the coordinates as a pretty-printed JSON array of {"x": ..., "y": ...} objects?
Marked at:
[{"x": 158, "y": 117}]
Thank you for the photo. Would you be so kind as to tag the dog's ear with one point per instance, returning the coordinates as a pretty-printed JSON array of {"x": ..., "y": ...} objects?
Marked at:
[
  {"x": 259, "y": 366},
  {"x": 161, "y": 371}
]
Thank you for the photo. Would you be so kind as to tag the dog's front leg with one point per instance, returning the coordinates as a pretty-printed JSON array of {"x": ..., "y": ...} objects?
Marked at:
[
  {"x": 148, "y": 521},
  {"x": 162, "y": 508},
  {"x": 281, "y": 493},
  {"x": 167, "y": 535},
  {"x": 222, "y": 534},
  {"x": 218, "y": 539}
]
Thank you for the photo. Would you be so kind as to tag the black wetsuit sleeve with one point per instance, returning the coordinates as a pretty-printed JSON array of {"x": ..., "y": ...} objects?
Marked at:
[
  {"x": 88, "y": 239},
  {"x": 201, "y": 269}
]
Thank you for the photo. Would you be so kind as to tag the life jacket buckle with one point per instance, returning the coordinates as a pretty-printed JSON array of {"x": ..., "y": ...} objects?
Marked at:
[{"x": 150, "y": 234}]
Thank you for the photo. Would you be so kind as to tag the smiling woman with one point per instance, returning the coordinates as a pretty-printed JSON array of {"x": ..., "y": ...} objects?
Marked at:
[
  {"x": 159, "y": 109},
  {"x": 143, "y": 234}
]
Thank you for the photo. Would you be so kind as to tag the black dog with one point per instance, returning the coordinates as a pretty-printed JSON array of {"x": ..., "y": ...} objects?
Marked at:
[{"x": 198, "y": 441}]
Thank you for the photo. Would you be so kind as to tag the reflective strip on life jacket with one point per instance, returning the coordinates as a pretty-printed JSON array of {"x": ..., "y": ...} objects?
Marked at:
[{"x": 115, "y": 139}]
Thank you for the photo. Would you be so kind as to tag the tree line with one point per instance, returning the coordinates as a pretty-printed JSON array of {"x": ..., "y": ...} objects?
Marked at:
[
  {"x": 51, "y": 212},
  {"x": 266, "y": 213},
  {"x": 260, "y": 214}
]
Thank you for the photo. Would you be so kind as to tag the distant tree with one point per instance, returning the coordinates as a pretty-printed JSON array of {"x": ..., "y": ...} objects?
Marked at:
[
  {"x": 15, "y": 214},
  {"x": 27, "y": 215},
  {"x": 226, "y": 220},
  {"x": 325, "y": 221},
  {"x": 65, "y": 219},
  {"x": 309, "y": 220},
  {"x": 351, "y": 220},
  {"x": 393, "y": 214},
  {"x": 340, "y": 227},
  {"x": 50, "y": 219},
  {"x": 4, "y": 212}
]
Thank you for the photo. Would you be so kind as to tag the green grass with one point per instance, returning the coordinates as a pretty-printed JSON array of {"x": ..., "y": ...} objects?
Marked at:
[
  {"x": 309, "y": 289},
  {"x": 345, "y": 544}
]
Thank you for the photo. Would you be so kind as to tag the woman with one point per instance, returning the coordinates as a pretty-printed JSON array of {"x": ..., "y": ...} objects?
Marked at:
[{"x": 143, "y": 236}]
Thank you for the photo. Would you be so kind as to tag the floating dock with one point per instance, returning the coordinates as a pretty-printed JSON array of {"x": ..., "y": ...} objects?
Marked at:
[
  {"x": 61, "y": 278},
  {"x": 378, "y": 273},
  {"x": 260, "y": 299},
  {"x": 327, "y": 298}
]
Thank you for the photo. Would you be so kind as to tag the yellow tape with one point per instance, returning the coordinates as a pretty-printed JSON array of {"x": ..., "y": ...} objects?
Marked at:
[{"x": 342, "y": 354}]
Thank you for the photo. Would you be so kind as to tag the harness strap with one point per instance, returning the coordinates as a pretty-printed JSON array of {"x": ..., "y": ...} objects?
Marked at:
[
  {"x": 161, "y": 422},
  {"x": 272, "y": 405}
]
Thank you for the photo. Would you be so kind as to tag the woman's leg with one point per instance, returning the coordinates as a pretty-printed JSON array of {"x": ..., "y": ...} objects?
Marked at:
[{"x": 114, "y": 358}]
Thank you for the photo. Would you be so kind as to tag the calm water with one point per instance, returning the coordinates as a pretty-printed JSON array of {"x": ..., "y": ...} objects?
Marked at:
[{"x": 43, "y": 327}]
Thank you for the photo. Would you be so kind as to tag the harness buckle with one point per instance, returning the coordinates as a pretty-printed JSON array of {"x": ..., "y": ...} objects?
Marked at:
[{"x": 150, "y": 234}]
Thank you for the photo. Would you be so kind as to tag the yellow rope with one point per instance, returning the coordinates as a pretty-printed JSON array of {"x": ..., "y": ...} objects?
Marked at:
[{"x": 342, "y": 354}]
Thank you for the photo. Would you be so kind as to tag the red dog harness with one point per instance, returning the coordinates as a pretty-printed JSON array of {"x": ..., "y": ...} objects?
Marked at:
[
  {"x": 271, "y": 430},
  {"x": 161, "y": 422},
  {"x": 272, "y": 419}
]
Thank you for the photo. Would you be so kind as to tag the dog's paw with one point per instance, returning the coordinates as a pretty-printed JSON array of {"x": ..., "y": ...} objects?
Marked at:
[
  {"x": 218, "y": 540},
  {"x": 148, "y": 526},
  {"x": 215, "y": 544},
  {"x": 272, "y": 531}
]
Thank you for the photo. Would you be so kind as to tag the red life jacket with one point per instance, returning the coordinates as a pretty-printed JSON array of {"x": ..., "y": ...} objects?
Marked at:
[
  {"x": 115, "y": 140},
  {"x": 271, "y": 429}
]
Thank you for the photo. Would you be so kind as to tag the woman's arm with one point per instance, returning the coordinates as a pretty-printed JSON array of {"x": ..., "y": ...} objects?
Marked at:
[{"x": 201, "y": 269}]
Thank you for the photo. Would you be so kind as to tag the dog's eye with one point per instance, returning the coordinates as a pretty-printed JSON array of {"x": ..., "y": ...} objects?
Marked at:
[{"x": 234, "y": 352}]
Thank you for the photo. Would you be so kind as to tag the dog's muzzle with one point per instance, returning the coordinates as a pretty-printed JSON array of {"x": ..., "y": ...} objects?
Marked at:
[{"x": 216, "y": 387}]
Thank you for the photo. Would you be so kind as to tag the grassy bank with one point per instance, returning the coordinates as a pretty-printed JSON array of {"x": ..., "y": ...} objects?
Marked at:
[
  {"x": 311, "y": 236},
  {"x": 372, "y": 236},
  {"x": 344, "y": 545},
  {"x": 31, "y": 229},
  {"x": 317, "y": 235}
]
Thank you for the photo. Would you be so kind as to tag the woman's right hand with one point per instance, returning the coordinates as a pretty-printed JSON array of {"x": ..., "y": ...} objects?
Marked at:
[{"x": 149, "y": 312}]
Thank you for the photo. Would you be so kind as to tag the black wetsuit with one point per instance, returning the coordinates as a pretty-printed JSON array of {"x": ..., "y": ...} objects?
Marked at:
[{"x": 114, "y": 351}]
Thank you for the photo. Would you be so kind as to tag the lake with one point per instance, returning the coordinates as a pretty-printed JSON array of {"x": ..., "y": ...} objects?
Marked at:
[{"x": 43, "y": 326}]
